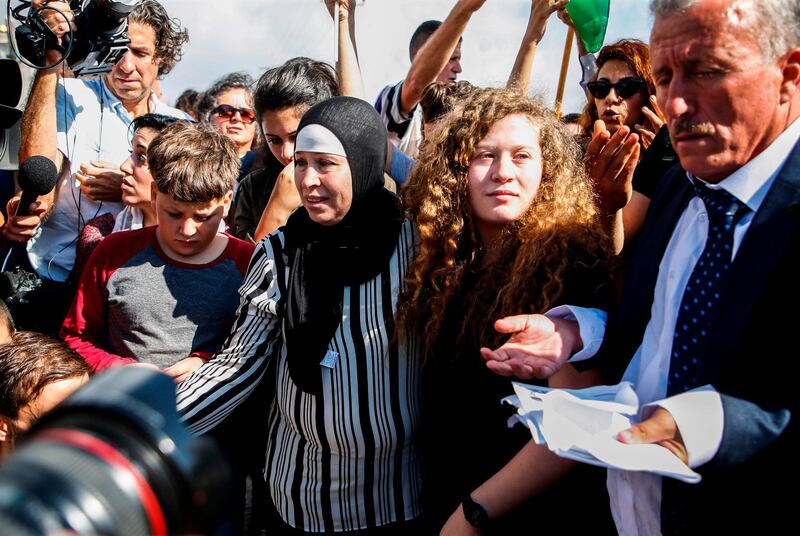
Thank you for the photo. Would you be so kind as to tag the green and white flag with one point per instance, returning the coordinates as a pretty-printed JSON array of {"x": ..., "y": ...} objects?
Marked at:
[{"x": 590, "y": 18}]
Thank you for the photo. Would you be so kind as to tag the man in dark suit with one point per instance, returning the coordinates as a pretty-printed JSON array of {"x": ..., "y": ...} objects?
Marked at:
[{"x": 709, "y": 307}]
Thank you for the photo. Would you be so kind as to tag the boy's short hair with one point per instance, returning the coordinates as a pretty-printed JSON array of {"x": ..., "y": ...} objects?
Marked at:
[
  {"x": 193, "y": 162},
  {"x": 29, "y": 363}
]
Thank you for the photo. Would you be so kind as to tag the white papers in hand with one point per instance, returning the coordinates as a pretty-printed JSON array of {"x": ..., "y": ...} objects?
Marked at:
[{"x": 582, "y": 425}]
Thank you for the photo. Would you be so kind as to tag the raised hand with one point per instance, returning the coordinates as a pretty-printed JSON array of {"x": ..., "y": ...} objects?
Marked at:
[
  {"x": 656, "y": 118},
  {"x": 540, "y": 13},
  {"x": 346, "y": 7},
  {"x": 472, "y": 5},
  {"x": 58, "y": 16},
  {"x": 611, "y": 161}
]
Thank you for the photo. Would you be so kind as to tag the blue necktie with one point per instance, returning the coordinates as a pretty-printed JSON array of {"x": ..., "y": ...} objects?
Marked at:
[{"x": 702, "y": 293}]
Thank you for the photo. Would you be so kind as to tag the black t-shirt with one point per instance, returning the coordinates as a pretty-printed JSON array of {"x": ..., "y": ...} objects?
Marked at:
[
  {"x": 252, "y": 196},
  {"x": 656, "y": 160},
  {"x": 466, "y": 438}
]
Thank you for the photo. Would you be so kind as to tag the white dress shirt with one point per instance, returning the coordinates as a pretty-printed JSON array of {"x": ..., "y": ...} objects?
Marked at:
[{"x": 636, "y": 497}]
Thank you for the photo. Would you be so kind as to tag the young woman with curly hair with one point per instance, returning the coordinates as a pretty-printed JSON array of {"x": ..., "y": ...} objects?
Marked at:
[{"x": 507, "y": 224}]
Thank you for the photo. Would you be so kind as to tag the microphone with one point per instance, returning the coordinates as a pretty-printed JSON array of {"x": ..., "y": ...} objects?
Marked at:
[{"x": 37, "y": 176}]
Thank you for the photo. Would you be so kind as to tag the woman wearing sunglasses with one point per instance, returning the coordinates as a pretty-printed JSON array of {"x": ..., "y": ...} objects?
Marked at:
[
  {"x": 623, "y": 92},
  {"x": 623, "y": 95},
  {"x": 229, "y": 102}
]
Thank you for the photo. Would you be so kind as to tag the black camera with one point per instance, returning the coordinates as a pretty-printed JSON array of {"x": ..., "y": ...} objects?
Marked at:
[
  {"x": 10, "y": 92},
  {"x": 100, "y": 40},
  {"x": 114, "y": 459}
]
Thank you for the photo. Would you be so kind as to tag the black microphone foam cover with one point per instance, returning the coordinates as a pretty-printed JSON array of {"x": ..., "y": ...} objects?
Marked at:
[{"x": 37, "y": 175}]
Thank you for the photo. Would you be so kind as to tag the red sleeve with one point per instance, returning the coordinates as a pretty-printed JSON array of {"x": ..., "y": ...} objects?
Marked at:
[
  {"x": 84, "y": 329},
  {"x": 240, "y": 252}
]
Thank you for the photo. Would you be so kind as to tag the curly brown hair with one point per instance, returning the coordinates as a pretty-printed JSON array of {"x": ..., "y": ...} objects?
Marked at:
[
  {"x": 170, "y": 37},
  {"x": 560, "y": 227},
  {"x": 636, "y": 55}
]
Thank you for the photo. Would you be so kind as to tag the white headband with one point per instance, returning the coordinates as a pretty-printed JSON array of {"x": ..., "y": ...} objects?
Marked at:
[{"x": 315, "y": 138}]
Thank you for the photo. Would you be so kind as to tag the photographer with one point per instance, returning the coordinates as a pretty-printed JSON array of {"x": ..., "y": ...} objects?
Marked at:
[{"x": 82, "y": 125}]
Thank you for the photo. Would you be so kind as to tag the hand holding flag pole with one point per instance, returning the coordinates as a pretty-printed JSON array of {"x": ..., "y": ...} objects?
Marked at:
[{"x": 589, "y": 20}]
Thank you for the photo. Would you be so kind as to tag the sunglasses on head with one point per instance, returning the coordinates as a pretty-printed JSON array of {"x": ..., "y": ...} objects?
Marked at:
[
  {"x": 226, "y": 111},
  {"x": 625, "y": 88}
]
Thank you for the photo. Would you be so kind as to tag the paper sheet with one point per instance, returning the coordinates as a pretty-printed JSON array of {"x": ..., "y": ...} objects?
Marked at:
[{"x": 582, "y": 425}]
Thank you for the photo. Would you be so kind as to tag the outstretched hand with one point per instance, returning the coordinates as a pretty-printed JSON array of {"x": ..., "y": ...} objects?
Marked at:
[
  {"x": 538, "y": 347},
  {"x": 660, "y": 429}
]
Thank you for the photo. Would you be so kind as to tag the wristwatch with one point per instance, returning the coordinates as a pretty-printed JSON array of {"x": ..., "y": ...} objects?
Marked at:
[{"x": 474, "y": 513}]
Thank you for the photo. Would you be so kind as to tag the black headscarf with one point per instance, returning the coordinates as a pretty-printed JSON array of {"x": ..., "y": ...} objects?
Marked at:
[{"x": 323, "y": 260}]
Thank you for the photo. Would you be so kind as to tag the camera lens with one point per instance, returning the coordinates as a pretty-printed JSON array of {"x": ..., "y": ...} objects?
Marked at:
[{"x": 114, "y": 460}]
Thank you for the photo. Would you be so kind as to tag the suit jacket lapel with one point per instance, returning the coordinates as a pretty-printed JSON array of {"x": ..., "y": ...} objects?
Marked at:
[
  {"x": 773, "y": 226},
  {"x": 663, "y": 215}
]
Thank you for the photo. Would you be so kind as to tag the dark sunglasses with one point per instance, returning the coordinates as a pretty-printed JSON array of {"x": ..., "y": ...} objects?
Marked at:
[
  {"x": 226, "y": 111},
  {"x": 625, "y": 88}
]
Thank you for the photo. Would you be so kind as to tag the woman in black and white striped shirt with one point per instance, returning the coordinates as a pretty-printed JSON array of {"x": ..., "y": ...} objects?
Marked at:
[{"x": 320, "y": 298}]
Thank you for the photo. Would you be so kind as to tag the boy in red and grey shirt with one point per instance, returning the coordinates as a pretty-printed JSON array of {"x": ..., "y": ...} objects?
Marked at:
[{"x": 167, "y": 295}]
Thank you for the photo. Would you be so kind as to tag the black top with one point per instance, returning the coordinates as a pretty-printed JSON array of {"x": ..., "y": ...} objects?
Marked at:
[
  {"x": 466, "y": 439},
  {"x": 252, "y": 196},
  {"x": 655, "y": 162}
]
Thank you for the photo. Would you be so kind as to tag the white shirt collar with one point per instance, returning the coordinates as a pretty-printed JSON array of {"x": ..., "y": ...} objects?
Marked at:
[
  {"x": 750, "y": 183},
  {"x": 113, "y": 102}
]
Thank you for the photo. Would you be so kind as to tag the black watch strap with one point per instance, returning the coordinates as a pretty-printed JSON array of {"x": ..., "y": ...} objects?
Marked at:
[{"x": 474, "y": 513}]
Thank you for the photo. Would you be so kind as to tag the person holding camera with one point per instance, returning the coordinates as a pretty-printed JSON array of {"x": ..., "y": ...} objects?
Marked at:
[{"x": 82, "y": 126}]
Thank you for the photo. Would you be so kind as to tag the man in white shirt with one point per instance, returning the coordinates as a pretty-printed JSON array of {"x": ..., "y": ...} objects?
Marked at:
[
  {"x": 82, "y": 126},
  {"x": 708, "y": 311}
]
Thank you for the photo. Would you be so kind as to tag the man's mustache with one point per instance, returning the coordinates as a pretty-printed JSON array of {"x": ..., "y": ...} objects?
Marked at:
[{"x": 686, "y": 126}]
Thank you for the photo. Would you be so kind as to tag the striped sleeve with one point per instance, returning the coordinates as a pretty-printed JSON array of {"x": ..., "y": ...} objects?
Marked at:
[
  {"x": 388, "y": 105},
  {"x": 214, "y": 390}
]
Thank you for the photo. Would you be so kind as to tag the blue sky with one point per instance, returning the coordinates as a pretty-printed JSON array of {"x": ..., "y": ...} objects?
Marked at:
[{"x": 254, "y": 35}]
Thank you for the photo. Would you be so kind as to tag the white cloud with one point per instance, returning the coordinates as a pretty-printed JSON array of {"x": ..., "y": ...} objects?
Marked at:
[{"x": 253, "y": 35}]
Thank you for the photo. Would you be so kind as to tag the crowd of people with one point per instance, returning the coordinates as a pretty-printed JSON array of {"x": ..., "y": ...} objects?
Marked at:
[{"x": 344, "y": 287}]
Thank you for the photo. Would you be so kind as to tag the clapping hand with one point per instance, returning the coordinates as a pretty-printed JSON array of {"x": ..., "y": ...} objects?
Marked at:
[{"x": 611, "y": 161}]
